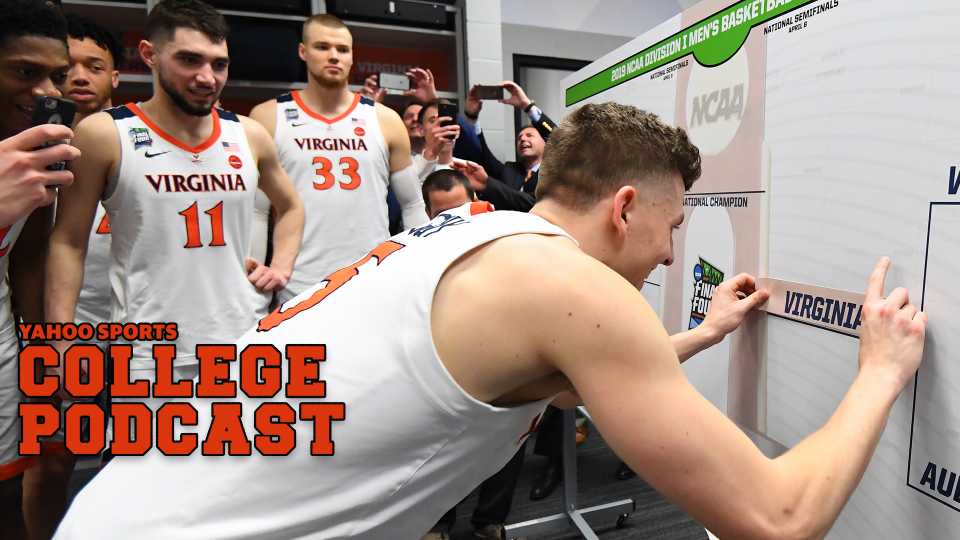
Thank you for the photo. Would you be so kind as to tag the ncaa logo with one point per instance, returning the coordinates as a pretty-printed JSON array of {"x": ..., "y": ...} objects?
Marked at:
[{"x": 716, "y": 98}]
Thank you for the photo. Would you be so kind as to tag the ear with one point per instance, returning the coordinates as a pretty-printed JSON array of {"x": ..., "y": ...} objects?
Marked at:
[
  {"x": 115, "y": 79},
  {"x": 624, "y": 201},
  {"x": 303, "y": 51},
  {"x": 149, "y": 53}
]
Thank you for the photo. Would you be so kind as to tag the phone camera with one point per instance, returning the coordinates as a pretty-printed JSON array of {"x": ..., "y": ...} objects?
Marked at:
[{"x": 50, "y": 104}]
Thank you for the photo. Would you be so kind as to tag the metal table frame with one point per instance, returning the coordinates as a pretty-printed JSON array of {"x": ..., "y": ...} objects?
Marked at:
[{"x": 571, "y": 514}]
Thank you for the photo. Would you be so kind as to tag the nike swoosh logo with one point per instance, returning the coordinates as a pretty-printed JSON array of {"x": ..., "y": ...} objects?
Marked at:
[
  {"x": 300, "y": 124},
  {"x": 148, "y": 154}
]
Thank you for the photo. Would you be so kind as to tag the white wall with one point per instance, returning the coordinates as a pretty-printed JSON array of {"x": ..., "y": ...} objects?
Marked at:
[{"x": 628, "y": 18}]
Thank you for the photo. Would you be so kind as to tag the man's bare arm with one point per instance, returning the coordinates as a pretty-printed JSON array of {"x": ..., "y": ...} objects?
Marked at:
[
  {"x": 266, "y": 115},
  {"x": 727, "y": 310},
  {"x": 698, "y": 458},
  {"x": 28, "y": 261},
  {"x": 99, "y": 144},
  {"x": 288, "y": 231},
  {"x": 588, "y": 326}
]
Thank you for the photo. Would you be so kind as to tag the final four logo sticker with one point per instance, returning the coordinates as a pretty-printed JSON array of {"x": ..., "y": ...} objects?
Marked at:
[
  {"x": 706, "y": 277},
  {"x": 292, "y": 114},
  {"x": 140, "y": 137}
]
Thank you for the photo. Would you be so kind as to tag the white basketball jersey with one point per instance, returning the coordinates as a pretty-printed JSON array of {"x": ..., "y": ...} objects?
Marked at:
[
  {"x": 181, "y": 226},
  {"x": 341, "y": 169},
  {"x": 10, "y": 430},
  {"x": 412, "y": 443},
  {"x": 93, "y": 304}
]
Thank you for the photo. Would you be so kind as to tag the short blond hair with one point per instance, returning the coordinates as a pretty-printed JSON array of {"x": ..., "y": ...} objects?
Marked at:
[
  {"x": 600, "y": 148},
  {"x": 323, "y": 19}
]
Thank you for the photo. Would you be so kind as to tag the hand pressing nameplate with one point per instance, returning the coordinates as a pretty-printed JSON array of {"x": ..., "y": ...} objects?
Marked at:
[{"x": 831, "y": 309}]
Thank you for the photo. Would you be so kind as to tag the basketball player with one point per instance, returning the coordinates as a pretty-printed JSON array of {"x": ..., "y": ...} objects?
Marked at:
[
  {"x": 500, "y": 312},
  {"x": 342, "y": 150},
  {"x": 177, "y": 178},
  {"x": 95, "y": 54},
  {"x": 33, "y": 60}
]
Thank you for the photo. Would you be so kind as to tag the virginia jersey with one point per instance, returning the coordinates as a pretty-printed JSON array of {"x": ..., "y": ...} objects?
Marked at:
[
  {"x": 11, "y": 464},
  {"x": 181, "y": 227},
  {"x": 411, "y": 444},
  {"x": 341, "y": 169}
]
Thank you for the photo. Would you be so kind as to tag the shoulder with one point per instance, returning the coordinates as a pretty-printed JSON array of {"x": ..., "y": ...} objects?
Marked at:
[
  {"x": 385, "y": 115},
  {"x": 257, "y": 136},
  {"x": 266, "y": 115},
  {"x": 263, "y": 109},
  {"x": 93, "y": 131}
]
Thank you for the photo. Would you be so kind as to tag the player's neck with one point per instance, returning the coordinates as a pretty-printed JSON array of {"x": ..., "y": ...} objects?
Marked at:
[
  {"x": 328, "y": 102},
  {"x": 186, "y": 128},
  {"x": 587, "y": 228},
  {"x": 80, "y": 116}
]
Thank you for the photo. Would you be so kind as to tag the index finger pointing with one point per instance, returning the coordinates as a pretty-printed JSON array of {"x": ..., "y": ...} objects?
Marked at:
[{"x": 875, "y": 285}]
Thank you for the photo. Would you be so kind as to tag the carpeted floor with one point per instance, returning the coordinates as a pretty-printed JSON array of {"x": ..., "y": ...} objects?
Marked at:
[{"x": 655, "y": 517}]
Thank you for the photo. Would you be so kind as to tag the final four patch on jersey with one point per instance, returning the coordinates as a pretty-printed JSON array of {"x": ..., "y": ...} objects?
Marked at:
[
  {"x": 292, "y": 114},
  {"x": 140, "y": 137}
]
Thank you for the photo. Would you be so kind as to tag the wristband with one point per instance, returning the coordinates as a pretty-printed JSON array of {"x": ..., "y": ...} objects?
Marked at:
[
  {"x": 530, "y": 106},
  {"x": 471, "y": 116}
]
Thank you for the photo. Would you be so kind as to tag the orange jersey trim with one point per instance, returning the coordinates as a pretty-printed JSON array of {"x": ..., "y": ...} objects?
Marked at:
[
  {"x": 296, "y": 97},
  {"x": 480, "y": 207},
  {"x": 14, "y": 468},
  {"x": 171, "y": 139}
]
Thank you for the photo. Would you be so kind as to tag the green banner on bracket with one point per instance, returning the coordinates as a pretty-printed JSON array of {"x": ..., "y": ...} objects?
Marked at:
[{"x": 712, "y": 41}]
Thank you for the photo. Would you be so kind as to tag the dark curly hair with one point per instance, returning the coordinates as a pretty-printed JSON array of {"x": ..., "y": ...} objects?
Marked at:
[
  {"x": 83, "y": 28},
  {"x": 601, "y": 147},
  {"x": 31, "y": 18},
  {"x": 168, "y": 15}
]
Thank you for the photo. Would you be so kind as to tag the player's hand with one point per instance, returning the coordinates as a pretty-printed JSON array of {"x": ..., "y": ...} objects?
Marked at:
[
  {"x": 475, "y": 173},
  {"x": 25, "y": 184},
  {"x": 473, "y": 104},
  {"x": 263, "y": 277},
  {"x": 891, "y": 339},
  {"x": 517, "y": 97},
  {"x": 423, "y": 86},
  {"x": 728, "y": 308},
  {"x": 372, "y": 90}
]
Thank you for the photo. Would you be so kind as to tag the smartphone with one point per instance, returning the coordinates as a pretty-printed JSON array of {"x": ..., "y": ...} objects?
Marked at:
[
  {"x": 448, "y": 109},
  {"x": 489, "y": 92},
  {"x": 53, "y": 110},
  {"x": 393, "y": 81}
]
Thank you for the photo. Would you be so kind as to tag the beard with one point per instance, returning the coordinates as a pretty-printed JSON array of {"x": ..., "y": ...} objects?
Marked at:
[
  {"x": 329, "y": 80},
  {"x": 181, "y": 101}
]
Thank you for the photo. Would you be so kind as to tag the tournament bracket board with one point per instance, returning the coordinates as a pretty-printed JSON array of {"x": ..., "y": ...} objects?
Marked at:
[{"x": 830, "y": 136}]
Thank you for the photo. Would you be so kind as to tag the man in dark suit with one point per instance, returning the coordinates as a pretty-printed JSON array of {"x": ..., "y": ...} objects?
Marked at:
[{"x": 510, "y": 185}]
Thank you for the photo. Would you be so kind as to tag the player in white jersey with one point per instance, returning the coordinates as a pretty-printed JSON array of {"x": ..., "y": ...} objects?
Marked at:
[
  {"x": 95, "y": 53},
  {"x": 178, "y": 180},
  {"x": 470, "y": 325},
  {"x": 342, "y": 151},
  {"x": 33, "y": 60}
]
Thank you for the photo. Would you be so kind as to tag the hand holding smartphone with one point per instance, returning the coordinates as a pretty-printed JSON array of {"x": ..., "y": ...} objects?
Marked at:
[
  {"x": 489, "y": 92},
  {"x": 53, "y": 110},
  {"x": 449, "y": 110}
]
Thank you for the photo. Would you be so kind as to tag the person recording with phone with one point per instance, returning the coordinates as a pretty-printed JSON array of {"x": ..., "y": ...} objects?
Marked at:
[
  {"x": 441, "y": 130},
  {"x": 510, "y": 185},
  {"x": 33, "y": 61}
]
